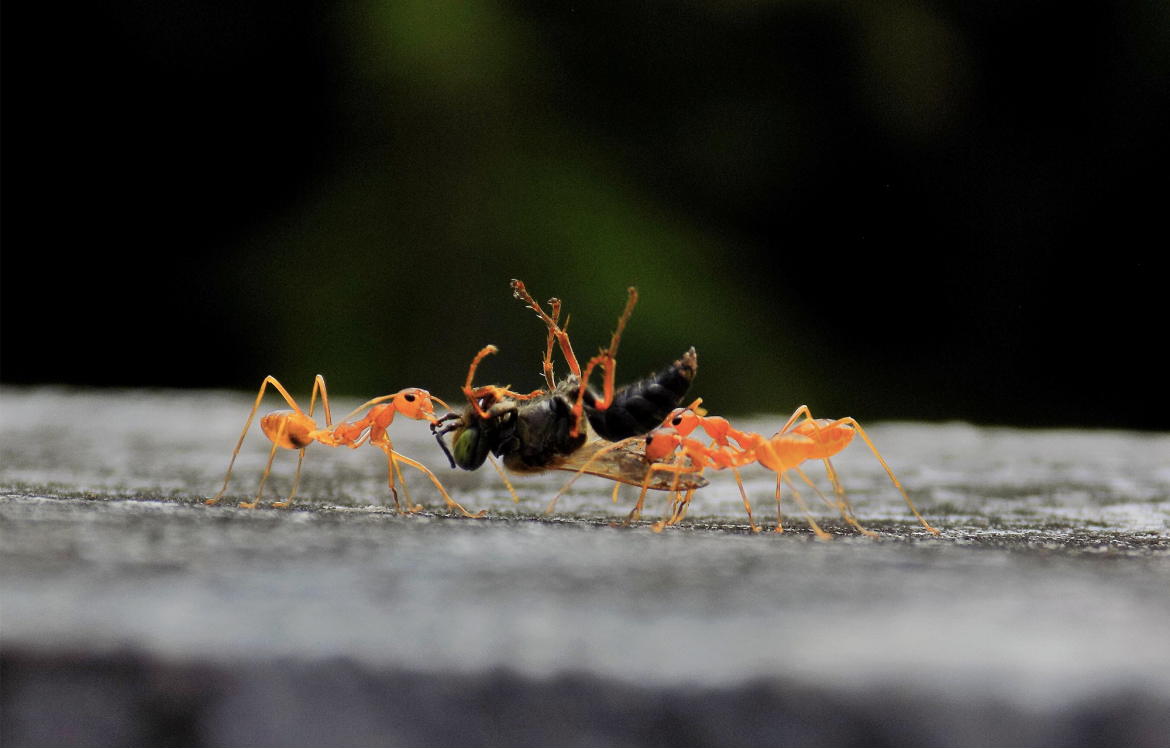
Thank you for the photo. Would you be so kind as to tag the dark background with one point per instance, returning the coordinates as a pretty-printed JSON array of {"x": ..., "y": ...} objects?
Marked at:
[{"x": 884, "y": 210}]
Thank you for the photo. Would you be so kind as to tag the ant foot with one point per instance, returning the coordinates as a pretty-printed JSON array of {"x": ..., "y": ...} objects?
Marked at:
[{"x": 249, "y": 505}]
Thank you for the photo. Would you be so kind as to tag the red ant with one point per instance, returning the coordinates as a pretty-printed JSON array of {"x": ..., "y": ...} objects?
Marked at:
[
  {"x": 796, "y": 442},
  {"x": 296, "y": 430}
]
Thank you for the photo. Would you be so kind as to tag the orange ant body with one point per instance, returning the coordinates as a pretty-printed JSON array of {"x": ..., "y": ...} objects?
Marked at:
[
  {"x": 795, "y": 443},
  {"x": 295, "y": 430}
]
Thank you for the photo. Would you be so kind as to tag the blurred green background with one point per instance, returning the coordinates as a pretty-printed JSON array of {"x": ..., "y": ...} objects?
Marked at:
[{"x": 884, "y": 210}]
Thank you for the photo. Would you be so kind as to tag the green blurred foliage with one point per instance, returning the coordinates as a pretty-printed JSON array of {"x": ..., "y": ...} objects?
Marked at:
[
  {"x": 395, "y": 271},
  {"x": 894, "y": 209}
]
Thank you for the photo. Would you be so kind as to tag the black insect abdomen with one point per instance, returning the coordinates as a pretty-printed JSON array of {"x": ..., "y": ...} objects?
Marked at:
[{"x": 642, "y": 406}]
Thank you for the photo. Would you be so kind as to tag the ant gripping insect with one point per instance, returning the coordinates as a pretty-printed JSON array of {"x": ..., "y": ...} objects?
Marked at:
[
  {"x": 796, "y": 442},
  {"x": 543, "y": 429},
  {"x": 296, "y": 430}
]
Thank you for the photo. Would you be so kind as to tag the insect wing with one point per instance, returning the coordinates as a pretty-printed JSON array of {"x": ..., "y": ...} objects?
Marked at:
[{"x": 627, "y": 464}]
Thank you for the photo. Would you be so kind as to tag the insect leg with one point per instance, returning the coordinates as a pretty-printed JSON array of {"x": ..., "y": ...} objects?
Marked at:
[
  {"x": 319, "y": 383},
  {"x": 467, "y": 391},
  {"x": 671, "y": 510},
  {"x": 637, "y": 511},
  {"x": 804, "y": 508},
  {"x": 608, "y": 359},
  {"x": 848, "y": 516},
  {"x": 410, "y": 506},
  {"x": 747, "y": 505},
  {"x": 864, "y": 436},
  {"x": 267, "y": 468},
  {"x": 507, "y": 483},
  {"x": 779, "y": 523},
  {"x": 552, "y": 339},
  {"x": 552, "y": 505},
  {"x": 269, "y": 380},
  {"x": 522, "y": 294},
  {"x": 296, "y": 480},
  {"x": 675, "y": 468},
  {"x": 450, "y": 502}
]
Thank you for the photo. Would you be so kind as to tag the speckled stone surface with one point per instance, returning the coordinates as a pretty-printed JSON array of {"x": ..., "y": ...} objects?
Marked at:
[{"x": 131, "y": 612}]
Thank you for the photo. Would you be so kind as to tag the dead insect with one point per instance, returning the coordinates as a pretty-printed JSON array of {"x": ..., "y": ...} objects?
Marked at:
[{"x": 543, "y": 430}]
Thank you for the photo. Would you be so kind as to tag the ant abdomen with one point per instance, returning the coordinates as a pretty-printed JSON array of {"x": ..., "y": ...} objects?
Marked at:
[{"x": 288, "y": 429}]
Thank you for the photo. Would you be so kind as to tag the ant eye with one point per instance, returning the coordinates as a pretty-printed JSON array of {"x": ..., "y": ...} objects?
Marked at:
[
  {"x": 676, "y": 421},
  {"x": 410, "y": 398}
]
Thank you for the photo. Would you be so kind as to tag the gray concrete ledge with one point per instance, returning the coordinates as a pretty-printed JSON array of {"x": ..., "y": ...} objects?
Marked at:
[{"x": 130, "y": 612}]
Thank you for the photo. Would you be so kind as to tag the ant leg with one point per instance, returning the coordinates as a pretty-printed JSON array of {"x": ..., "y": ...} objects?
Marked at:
[
  {"x": 747, "y": 505},
  {"x": 795, "y": 415},
  {"x": 684, "y": 506},
  {"x": 411, "y": 507},
  {"x": 617, "y": 485},
  {"x": 522, "y": 294},
  {"x": 608, "y": 359},
  {"x": 507, "y": 483},
  {"x": 684, "y": 503},
  {"x": 779, "y": 523},
  {"x": 467, "y": 391},
  {"x": 675, "y": 468},
  {"x": 804, "y": 508},
  {"x": 849, "y": 518},
  {"x": 636, "y": 513},
  {"x": 269, "y": 380},
  {"x": 579, "y": 406},
  {"x": 846, "y": 506},
  {"x": 670, "y": 508},
  {"x": 267, "y": 469},
  {"x": 319, "y": 384},
  {"x": 386, "y": 448},
  {"x": 296, "y": 479},
  {"x": 450, "y": 502},
  {"x": 864, "y": 436}
]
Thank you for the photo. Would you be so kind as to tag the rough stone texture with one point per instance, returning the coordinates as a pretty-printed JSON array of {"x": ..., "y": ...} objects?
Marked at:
[{"x": 130, "y": 612}]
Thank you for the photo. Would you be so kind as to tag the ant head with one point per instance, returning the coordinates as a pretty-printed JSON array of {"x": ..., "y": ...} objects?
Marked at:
[
  {"x": 660, "y": 443},
  {"x": 682, "y": 420},
  {"x": 414, "y": 403}
]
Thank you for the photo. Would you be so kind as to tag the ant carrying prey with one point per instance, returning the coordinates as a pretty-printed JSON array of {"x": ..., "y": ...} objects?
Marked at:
[
  {"x": 670, "y": 449},
  {"x": 295, "y": 430}
]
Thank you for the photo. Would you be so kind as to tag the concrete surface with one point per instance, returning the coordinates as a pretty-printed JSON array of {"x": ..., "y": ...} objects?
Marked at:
[{"x": 130, "y": 612}]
